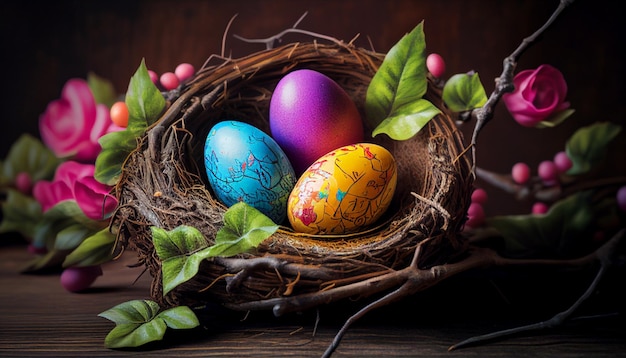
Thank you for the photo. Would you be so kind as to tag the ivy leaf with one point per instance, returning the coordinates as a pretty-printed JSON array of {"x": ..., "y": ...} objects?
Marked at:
[
  {"x": 180, "y": 317},
  {"x": 562, "y": 232},
  {"x": 145, "y": 104},
  {"x": 244, "y": 228},
  {"x": 102, "y": 89},
  {"x": 27, "y": 154},
  {"x": 94, "y": 250},
  {"x": 182, "y": 249},
  {"x": 176, "y": 250},
  {"x": 400, "y": 81},
  {"x": 19, "y": 212},
  {"x": 464, "y": 92},
  {"x": 138, "y": 322},
  {"x": 588, "y": 146}
]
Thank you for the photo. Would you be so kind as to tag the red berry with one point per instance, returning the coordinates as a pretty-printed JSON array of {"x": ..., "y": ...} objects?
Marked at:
[
  {"x": 475, "y": 215},
  {"x": 436, "y": 65},
  {"x": 75, "y": 279},
  {"x": 520, "y": 173},
  {"x": 23, "y": 183},
  {"x": 540, "y": 208},
  {"x": 548, "y": 172},
  {"x": 154, "y": 77},
  {"x": 562, "y": 161},
  {"x": 169, "y": 81},
  {"x": 479, "y": 196},
  {"x": 119, "y": 114},
  {"x": 184, "y": 71},
  {"x": 621, "y": 198}
]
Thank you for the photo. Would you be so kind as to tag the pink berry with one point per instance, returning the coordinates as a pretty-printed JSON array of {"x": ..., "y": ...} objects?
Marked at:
[
  {"x": 184, "y": 71},
  {"x": 169, "y": 81},
  {"x": 548, "y": 172},
  {"x": 154, "y": 77},
  {"x": 75, "y": 279},
  {"x": 540, "y": 208},
  {"x": 621, "y": 198},
  {"x": 23, "y": 183},
  {"x": 436, "y": 65},
  {"x": 520, "y": 173},
  {"x": 479, "y": 196},
  {"x": 562, "y": 161},
  {"x": 475, "y": 215}
]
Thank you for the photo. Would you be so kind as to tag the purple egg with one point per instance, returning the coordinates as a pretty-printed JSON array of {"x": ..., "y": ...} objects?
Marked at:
[{"x": 311, "y": 115}]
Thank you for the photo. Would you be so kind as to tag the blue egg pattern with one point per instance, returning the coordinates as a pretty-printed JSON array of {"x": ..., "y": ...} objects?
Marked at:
[{"x": 245, "y": 164}]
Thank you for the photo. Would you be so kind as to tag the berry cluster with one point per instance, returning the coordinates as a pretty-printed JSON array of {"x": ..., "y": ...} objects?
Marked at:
[
  {"x": 476, "y": 211},
  {"x": 171, "y": 80},
  {"x": 167, "y": 81},
  {"x": 548, "y": 171}
]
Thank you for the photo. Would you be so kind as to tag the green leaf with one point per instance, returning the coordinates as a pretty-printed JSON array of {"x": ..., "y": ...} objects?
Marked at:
[
  {"x": 94, "y": 250},
  {"x": 562, "y": 232},
  {"x": 19, "y": 212},
  {"x": 180, "y": 317},
  {"x": 116, "y": 146},
  {"x": 464, "y": 92},
  {"x": 555, "y": 119},
  {"x": 408, "y": 120},
  {"x": 244, "y": 228},
  {"x": 71, "y": 236},
  {"x": 28, "y": 155},
  {"x": 144, "y": 100},
  {"x": 51, "y": 260},
  {"x": 139, "y": 322},
  {"x": 588, "y": 145},
  {"x": 400, "y": 80},
  {"x": 145, "y": 104},
  {"x": 102, "y": 89},
  {"x": 182, "y": 249},
  {"x": 135, "y": 311},
  {"x": 175, "y": 249}
]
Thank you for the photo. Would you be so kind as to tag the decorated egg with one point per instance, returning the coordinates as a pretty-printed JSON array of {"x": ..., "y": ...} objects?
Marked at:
[
  {"x": 245, "y": 164},
  {"x": 344, "y": 191},
  {"x": 310, "y": 115}
]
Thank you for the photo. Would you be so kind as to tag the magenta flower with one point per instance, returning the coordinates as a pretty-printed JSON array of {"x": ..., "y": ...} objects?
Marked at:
[
  {"x": 72, "y": 125},
  {"x": 538, "y": 96},
  {"x": 75, "y": 181}
]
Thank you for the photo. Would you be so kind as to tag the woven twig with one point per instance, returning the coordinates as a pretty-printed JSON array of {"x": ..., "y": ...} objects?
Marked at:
[{"x": 163, "y": 184}]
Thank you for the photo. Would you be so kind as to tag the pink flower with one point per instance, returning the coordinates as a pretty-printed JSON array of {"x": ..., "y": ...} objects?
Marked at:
[
  {"x": 538, "y": 95},
  {"x": 72, "y": 125},
  {"x": 75, "y": 181}
]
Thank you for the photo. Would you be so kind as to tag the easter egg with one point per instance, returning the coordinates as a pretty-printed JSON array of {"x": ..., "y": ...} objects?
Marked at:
[
  {"x": 310, "y": 115},
  {"x": 245, "y": 164},
  {"x": 344, "y": 191}
]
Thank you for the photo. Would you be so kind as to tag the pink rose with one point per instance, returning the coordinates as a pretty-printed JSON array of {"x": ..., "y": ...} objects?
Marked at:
[
  {"x": 75, "y": 181},
  {"x": 72, "y": 125},
  {"x": 538, "y": 95}
]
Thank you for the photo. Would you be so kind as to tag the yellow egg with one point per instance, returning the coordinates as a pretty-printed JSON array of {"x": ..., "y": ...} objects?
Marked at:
[{"x": 344, "y": 191}]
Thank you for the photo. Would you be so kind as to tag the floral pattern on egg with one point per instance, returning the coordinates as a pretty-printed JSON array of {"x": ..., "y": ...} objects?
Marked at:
[
  {"x": 343, "y": 191},
  {"x": 245, "y": 164}
]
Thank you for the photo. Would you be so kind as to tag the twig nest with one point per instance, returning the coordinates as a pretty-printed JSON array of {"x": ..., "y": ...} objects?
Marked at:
[{"x": 164, "y": 184}]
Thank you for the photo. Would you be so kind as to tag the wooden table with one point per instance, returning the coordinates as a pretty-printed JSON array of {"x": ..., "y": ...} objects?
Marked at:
[{"x": 39, "y": 318}]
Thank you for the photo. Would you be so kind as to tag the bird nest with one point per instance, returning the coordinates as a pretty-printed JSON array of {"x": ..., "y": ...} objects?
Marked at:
[{"x": 163, "y": 184}]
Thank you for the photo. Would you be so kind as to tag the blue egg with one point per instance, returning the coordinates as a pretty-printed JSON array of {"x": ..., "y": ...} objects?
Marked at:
[{"x": 245, "y": 164}]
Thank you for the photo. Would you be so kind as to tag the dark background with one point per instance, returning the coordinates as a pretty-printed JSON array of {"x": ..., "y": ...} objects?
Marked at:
[{"x": 46, "y": 43}]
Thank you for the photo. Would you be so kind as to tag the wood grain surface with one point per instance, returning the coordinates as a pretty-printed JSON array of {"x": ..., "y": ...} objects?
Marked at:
[{"x": 39, "y": 318}]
